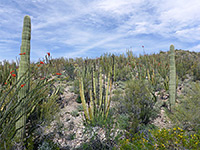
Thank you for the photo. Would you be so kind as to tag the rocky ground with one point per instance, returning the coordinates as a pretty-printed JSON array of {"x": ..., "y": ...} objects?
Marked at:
[{"x": 69, "y": 127}]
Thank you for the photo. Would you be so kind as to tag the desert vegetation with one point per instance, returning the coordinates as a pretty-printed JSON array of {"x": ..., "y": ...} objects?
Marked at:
[{"x": 123, "y": 101}]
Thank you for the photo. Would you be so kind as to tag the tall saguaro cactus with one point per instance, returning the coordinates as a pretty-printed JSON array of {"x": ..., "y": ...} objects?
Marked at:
[
  {"x": 23, "y": 67},
  {"x": 172, "y": 80}
]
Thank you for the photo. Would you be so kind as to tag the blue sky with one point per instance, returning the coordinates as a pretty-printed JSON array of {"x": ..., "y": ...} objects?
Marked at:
[{"x": 90, "y": 28}]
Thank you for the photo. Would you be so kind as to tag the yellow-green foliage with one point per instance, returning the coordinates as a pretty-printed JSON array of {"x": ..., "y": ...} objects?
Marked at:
[
  {"x": 187, "y": 113},
  {"x": 137, "y": 103},
  {"x": 164, "y": 139}
]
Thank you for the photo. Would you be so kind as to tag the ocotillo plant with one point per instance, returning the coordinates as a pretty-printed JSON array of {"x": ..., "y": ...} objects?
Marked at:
[
  {"x": 23, "y": 67},
  {"x": 172, "y": 79}
]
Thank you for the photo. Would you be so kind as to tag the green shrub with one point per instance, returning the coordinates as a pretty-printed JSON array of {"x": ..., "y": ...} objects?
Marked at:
[
  {"x": 165, "y": 139},
  {"x": 80, "y": 108},
  {"x": 48, "y": 145},
  {"x": 123, "y": 73},
  {"x": 78, "y": 99},
  {"x": 122, "y": 121},
  {"x": 103, "y": 135},
  {"x": 69, "y": 69},
  {"x": 187, "y": 113},
  {"x": 137, "y": 104},
  {"x": 196, "y": 71},
  {"x": 74, "y": 113}
]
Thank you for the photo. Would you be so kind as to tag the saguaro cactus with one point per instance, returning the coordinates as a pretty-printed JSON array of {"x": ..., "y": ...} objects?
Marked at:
[
  {"x": 172, "y": 79},
  {"x": 23, "y": 67}
]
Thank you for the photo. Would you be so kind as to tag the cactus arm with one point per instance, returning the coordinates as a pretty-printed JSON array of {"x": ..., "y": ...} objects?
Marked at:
[
  {"x": 94, "y": 87},
  {"x": 100, "y": 88},
  {"x": 107, "y": 89},
  {"x": 83, "y": 98},
  {"x": 108, "y": 105},
  {"x": 91, "y": 107}
]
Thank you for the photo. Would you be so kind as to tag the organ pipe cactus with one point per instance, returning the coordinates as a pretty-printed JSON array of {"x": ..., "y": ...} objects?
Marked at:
[
  {"x": 172, "y": 79},
  {"x": 98, "y": 105},
  {"x": 24, "y": 68},
  {"x": 81, "y": 87}
]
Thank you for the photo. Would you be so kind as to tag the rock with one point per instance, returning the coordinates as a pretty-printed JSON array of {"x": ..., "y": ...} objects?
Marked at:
[
  {"x": 67, "y": 119},
  {"x": 65, "y": 148},
  {"x": 62, "y": 105},
  {"x": 157, "y": 93}
]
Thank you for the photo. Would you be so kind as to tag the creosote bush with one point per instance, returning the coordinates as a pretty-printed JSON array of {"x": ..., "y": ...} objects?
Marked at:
[{"x": 136, "y": 106}]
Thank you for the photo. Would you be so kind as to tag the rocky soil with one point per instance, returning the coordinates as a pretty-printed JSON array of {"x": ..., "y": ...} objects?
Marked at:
[{"x": 69, "y": 128}]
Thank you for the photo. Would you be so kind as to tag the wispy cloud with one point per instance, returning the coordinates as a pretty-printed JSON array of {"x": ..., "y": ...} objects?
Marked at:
[{"x": 93, "y": 27}]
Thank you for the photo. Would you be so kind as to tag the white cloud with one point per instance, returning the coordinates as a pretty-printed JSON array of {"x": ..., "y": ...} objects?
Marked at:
[
  {"x": 94, "y": 45},
  {"x": 195, "y": 48},
  {"x": 118, "y": 7},
  {"x": 163, "y": 18},
  {"x": 186, "y": 34},
  {"x": 78, "y": 27}
]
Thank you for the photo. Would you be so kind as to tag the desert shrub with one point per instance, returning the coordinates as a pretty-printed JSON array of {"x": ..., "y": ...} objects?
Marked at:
[
  {"x": 120, "y": 85},
  {"x": 103, "y": 135},
  {"x": 165, "y": 139},
  {"x": 75, "y": 113},
  {"x": 69, "y": 70},
  {"x": 123, "y": 73},
  {"x": 123, "y": 121},
  {"x": 137, "y": 104},
  {"x": 182, "y": 66},
  {"x": 80, "y": 108},
  {"x": 78, "y": 99},
  {"x": 48, "y": 145},
  {"x": 187, "y": 113},
  {"x": 185, "y": 63},
  {"x": 196, "y": 71}
]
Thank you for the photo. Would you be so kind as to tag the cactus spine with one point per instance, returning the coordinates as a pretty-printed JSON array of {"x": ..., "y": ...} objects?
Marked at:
[
  {"x": 23, "y": 67},
  {"x": 172, "y": 81}
]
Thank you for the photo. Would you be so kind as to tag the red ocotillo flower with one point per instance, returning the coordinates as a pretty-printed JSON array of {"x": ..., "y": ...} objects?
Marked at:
[
  {"x": 11, "y": 72},
  {"x": 22, "y": 85},
  {"x": 41, "y": 62},
  {"x": 5, "y": 83},
  {"x": 59, "y": 73},
  {"x": 14, "y": 75},
  {"x": 48, "y": 54},
  {"x": 22, "y": 53}
]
